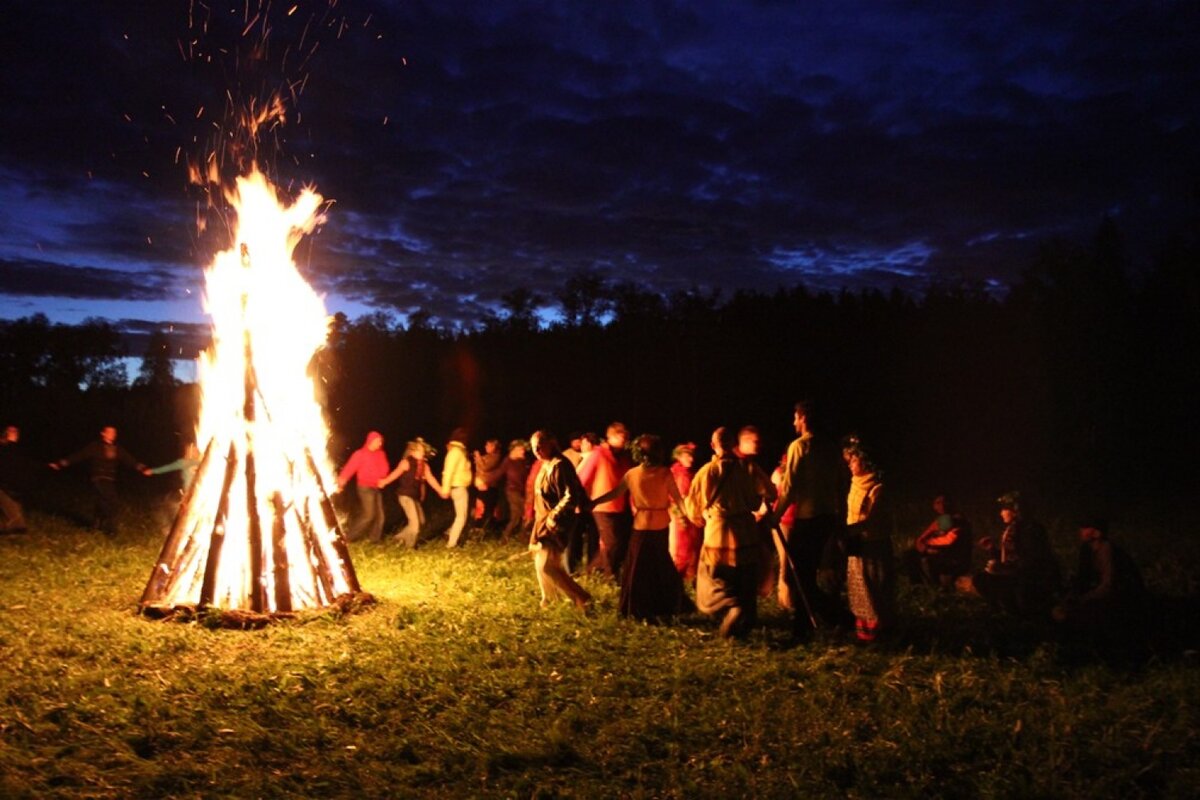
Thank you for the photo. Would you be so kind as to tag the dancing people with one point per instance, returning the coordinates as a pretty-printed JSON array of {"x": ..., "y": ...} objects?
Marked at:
[
  {"x": 599, "y": 473},
  {"x": 104, "y": 458},
  {"x": 722, "y": 499},
  {"x": 558, "y": 499},
  {"x": 412, "y": 475},
  {"x": 651, "y": 588},
  {"x": 870, "y": 569},
  {"x": 368, "y": 466},
  {"x": 685, "y": 538},
  {"x": 456, "y": 483},
  {"x": 810, "y": 481}
]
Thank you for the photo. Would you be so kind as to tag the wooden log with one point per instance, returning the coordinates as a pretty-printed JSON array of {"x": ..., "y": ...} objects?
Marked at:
[
  {"x": 217, "y": 540},
  {"x": 258, "y": 588},
  {"x": 279, "y": 556},
  {"x": 168, "y": 557},
  {"x": 317, "y": 553},
  {"x": 339, "y": 540}
]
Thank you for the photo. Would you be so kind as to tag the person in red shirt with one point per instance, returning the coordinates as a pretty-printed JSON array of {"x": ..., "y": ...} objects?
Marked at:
[
  {"x": 368, "y": 465},
  {"x": 685, "y": 537},
  {"x": 600, "y": 473}
]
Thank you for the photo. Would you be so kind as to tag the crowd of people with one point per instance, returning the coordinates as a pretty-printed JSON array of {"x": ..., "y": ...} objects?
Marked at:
[{"x": 816, "y": 531}]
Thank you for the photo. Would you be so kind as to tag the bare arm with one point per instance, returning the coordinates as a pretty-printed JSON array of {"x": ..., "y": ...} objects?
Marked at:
[
  {"x": 620, "y": 489},
  {"x": 400, "y": 469}
]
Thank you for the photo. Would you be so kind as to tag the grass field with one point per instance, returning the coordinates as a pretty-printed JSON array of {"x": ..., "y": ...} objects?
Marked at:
[{"x": 457, "y": 685}]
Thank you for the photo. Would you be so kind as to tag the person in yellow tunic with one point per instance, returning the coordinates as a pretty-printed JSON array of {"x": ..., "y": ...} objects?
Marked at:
[
  {"x": 456, "y": 482},
  {"x": 722, "y": 499}
]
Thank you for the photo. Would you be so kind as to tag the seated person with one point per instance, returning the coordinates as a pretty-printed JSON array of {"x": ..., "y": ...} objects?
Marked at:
[
  {"x": 1022, "y": 574},
  {"x": 942, "y": 552},
  {"x": 1107, "y": 593}
]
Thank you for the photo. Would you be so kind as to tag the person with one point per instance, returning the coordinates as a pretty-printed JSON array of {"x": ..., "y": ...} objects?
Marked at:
[
  {"x": 870, "y": 571},
  {"x": 104, "y": 458},
  {"x": 573, "y": 452},
  {"x": 14, "y": 473},
  {"x": 1022, "y": 573},
  {"x": 722, "y": 499},
  {"x": 487, "y": 489},
  {"x": 685, "y": 538},
  {"x": 585, "y": 539},
  {"x": 557, "y": 500},
  {"x": 599, "y": 473},
  {"x": 651, "y": 588},
  {"x": 747, "y": 450},
  {"x": 811, "y": 481},
  {"x": 1107, "y": 596},
  {"x": 186, "y": 465},
  {"x": 941, "y": 554},
  {"x": 512, "y": 472},
  {"x": 785, "y": 523},
  {"x": 368, "y": 466},
  {"x": 456, "y": 483},
  {"x": 412, "y": 475}
]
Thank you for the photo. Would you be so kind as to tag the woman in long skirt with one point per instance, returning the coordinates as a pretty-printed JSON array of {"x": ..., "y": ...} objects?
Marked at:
[
  {"x": 651, "y": 587},
  {"x": 870, "y": 567}
]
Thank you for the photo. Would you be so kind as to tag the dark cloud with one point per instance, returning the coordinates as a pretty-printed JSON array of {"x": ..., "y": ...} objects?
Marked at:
[
  {"x": 473, "y": 146},
  {"x": 47, "y": 279}
]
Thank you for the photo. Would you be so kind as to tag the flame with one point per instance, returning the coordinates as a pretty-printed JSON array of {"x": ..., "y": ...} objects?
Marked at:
[{"x": 259, "y": 498}]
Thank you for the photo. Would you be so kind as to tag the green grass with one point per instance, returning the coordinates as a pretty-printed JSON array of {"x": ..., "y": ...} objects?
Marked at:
[{"x": 457, "y": 685}]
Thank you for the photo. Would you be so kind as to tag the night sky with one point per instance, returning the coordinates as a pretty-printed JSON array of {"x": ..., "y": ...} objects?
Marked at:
[{"x": 471, "y": 148}]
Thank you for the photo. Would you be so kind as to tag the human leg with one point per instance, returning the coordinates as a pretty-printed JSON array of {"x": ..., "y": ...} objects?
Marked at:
[
  {"x": 370, "y": 501},
  {"x": 107, "y": 505},
  {"x": 412, "y": 521},
  {"x": 459, "y": 496},
  {"x": 555, "y": 579},
  {"x": 516, "y": 514}
]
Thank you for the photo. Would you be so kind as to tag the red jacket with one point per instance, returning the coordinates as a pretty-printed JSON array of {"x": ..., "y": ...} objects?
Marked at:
[{"x": 369, "y": 467}]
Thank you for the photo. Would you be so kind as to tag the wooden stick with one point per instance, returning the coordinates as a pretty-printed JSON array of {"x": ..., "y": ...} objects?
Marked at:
[
  {"x": 168, "y": 557},
  {"x": 316, "y": 552},
  {"x": 279, "y": 557},
  {"x": 217, "y": 540},
  {"x": 339, "y": 541}
]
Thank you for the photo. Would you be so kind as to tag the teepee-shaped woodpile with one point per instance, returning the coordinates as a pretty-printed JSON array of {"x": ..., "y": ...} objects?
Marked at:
[{"x": 256, "y": 535}]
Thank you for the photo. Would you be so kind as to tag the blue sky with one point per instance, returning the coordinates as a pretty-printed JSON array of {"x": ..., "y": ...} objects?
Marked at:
[{"x": 471, "y": 148}]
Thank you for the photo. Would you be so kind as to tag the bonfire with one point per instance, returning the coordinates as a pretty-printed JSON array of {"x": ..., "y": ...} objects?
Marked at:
[{"x": 256, "y": 535}]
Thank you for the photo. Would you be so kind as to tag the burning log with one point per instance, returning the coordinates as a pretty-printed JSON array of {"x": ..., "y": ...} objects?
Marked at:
[{"x": 267, "y": 322}]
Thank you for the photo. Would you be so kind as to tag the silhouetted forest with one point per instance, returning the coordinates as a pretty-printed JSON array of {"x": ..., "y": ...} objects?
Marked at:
[{"x": 1078, "y": 381}]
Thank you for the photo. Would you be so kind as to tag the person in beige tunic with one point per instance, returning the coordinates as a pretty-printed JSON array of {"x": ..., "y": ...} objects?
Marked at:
[{"x": 722, "y": 499}]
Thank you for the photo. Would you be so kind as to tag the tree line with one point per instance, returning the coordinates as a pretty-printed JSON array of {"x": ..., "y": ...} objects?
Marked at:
[{"x": 1075, "y": 380}]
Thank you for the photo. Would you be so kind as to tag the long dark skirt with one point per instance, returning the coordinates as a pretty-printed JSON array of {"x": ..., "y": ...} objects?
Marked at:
[{"x": 650, "y": 586}]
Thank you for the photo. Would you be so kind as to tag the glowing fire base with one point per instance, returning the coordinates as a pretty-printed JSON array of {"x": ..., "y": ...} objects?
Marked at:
[{"x": 243, "y": 578}]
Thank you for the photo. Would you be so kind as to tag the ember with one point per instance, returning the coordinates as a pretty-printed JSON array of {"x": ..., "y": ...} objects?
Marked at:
[{"x": 257, "y": 532}]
